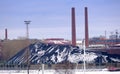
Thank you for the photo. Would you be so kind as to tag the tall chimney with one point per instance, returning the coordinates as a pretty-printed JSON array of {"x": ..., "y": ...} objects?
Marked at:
[
  {"x": 73, "y": 27},
  {"x": 86, "y": 28},
  {"x": 6, "y": 35}
]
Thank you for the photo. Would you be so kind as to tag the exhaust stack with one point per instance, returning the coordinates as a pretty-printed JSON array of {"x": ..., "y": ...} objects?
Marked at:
[
  {"x": 86, "y": 28},
  {"x": 73, "y": 27}
]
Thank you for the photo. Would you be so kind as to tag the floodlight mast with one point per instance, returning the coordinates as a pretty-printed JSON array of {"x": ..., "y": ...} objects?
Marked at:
[
  {"x": 27, "y": 28},
  {"x": 27, "y": 38}
]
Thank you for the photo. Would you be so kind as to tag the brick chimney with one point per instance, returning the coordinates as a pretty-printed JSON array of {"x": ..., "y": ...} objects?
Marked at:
[
  {"x": 86, "y": 28},
  {"x": 6, "y": 34},
  {"x": 73, "y": 27}
]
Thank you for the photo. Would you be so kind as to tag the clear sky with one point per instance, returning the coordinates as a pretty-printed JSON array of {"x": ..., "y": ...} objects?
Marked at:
[{"x": 52, "y": 18}]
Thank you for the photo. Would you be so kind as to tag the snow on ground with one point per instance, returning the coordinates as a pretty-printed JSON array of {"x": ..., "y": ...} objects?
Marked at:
[{"x": 54, "y": 72}]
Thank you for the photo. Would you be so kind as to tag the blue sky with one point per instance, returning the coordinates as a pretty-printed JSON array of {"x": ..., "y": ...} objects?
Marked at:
[{"x": 52, "y": 18}]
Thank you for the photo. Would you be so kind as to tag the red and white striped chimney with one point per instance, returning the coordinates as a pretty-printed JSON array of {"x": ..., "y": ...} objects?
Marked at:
[
  {"x": 86, "y": 28},
  {"x": 73, "y": 27}
]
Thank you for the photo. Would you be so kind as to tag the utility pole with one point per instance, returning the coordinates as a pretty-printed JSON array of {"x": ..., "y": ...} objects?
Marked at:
[
  {"x": 27, "y": 40},
  {"x": 105, "y": 39},
  {"x": 116, "y": 36}
]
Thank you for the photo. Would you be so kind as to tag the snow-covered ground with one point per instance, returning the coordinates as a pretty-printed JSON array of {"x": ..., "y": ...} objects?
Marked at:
[{"x": 56, "y": 72}]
